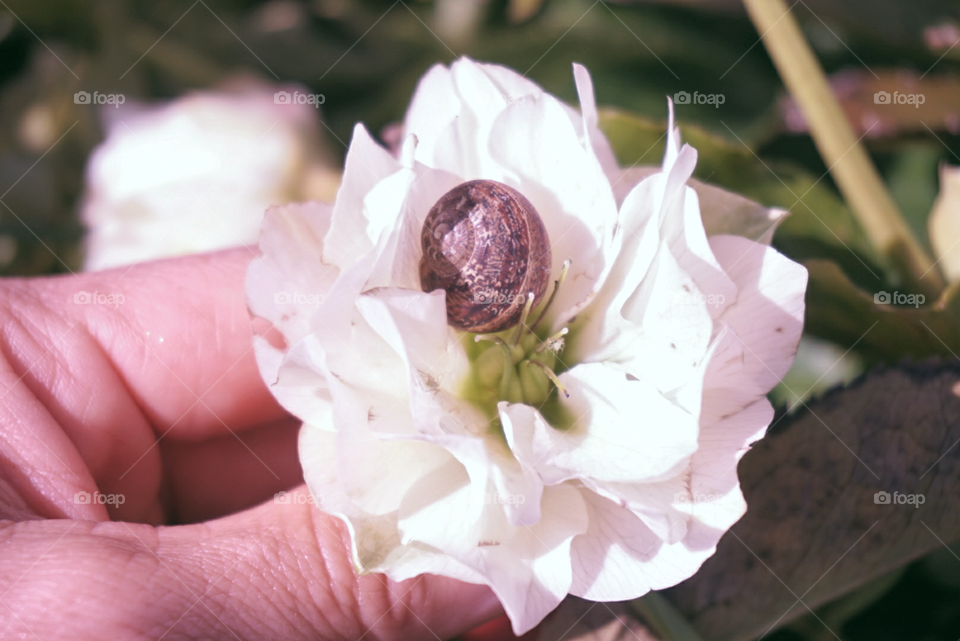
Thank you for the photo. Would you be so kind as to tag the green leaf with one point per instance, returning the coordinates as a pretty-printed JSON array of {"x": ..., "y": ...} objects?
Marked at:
[
  {"x": 814, "y": 530},
  {"x": 840, "y": 312}
]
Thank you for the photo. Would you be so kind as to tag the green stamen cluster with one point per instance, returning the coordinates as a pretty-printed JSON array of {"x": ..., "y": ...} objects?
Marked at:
[{"x": 519, "y": 365}]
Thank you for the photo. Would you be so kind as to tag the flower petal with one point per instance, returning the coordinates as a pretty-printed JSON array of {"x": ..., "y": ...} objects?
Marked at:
[
  {"x": 621, "y": 558},
  {"x": 352, "y": 232},
  {"x": 608, "y": 558},
  {"x": 297, "y": 380},
  {"x": 614, "y": 431},
  {"x": 650, "y": 317},
  {"x": 765, "y": 325},
  {"x": 286, "y": 283},
  {"x": 528, "y": 568},
  {"x": 535, "y": 143},
  {"x": 594, "y": 138}
]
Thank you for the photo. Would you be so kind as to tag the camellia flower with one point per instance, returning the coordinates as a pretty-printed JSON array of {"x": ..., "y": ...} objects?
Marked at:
[
  {"x": 606, "y": 470},
  {"x": 196, "y": 174}
]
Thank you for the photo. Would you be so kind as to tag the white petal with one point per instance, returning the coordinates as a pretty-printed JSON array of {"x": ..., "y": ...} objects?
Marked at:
[
  {"x": 350, "y": 232},
  {"x": 509, "y": 82},
  {"x": 434, "y": 106},
  {"x": 297, "y": 380},
  {"x": 684, "y": 233},
  {"x": 618, "y": 430},
  {"x": 621, "y": 558},
  {"x": 373, "y": 538},
  {"x": 453, "y": 133},
  {"x": 286, "y": 284},
  {"x": 376, "y": 474},
  {"x": 594, "y": 137},
  {"x": 715, "y": 497},
  {"x": 528, "y": 568},
  {"x": 765, "y": 325},
  {"x": 659, "y": 505},
  {"x": 535, "y": 143},
  {"x": 672, "y": 147},
  {"x": 413, "y": 324},
  {"x": 409, "y": 196},
  {"x": 650, "y": 317},
  {"x": 625, "y": 180},
  {"x": 722, "y": 212},
  {"x": 725, "y": 212},
  {"x": 608, "y": 559}
]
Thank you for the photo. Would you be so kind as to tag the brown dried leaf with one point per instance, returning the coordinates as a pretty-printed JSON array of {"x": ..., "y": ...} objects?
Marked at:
[{"x": 814, "y": 530}]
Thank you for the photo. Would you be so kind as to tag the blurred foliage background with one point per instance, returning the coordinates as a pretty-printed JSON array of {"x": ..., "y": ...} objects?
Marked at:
[{"x": 366, "y": 56}]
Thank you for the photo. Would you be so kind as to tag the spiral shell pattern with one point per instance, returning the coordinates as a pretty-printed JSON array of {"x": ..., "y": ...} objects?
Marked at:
[{"x": 486, "y": 246}]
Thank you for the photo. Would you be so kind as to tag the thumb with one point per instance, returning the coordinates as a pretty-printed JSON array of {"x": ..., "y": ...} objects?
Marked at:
[{"x": 277, "y": 571}]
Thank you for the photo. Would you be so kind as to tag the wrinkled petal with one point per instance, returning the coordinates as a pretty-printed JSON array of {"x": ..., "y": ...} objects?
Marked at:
[
  {"x": 355, "y": 227},
  {"x": 620, "y": 557},
  {"x": 528, "y": 568},
  {"x": 650, "y": 316},
  {"x": 595, "y": 140},
  {"x": 535, "y": 143},
  {"x": 765, "y": 325},
  {"x": 289, "y": 284},
  {"x": 613, "y": 430}
]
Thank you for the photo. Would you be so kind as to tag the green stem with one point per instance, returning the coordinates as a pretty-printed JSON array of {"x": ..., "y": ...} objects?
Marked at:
[{"x": 849, "y": 163}]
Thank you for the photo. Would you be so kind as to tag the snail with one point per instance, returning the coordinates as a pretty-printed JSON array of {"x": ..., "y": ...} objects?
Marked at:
[{"x": 486, "y": 246}]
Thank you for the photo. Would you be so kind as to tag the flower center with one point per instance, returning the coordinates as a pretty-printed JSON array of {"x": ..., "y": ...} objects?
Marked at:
[{"x": 517, "y": 365}]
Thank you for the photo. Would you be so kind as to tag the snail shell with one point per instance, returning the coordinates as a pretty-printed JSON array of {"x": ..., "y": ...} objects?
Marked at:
[{"x": 486, "y": 246}]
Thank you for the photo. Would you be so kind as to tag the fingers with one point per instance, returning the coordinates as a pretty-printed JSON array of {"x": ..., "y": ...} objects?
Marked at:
[
  {"x": 228, "y": 473},
  {"x": 179, "y": 335},
  {"x": 273, "y": 572},
  {"x": 96, "y": 369}
]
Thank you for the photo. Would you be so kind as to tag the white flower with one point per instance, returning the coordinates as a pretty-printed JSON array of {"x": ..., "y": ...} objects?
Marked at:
[
  {"x": 195, "y": 174},
  {"x": 674, "y": 339}
]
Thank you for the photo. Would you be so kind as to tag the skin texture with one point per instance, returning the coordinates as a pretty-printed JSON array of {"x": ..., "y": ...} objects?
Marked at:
[{"x": 199, "y": 548}]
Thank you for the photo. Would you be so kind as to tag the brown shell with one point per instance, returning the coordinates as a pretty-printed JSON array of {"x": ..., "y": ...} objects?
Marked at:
[{"x": 486, "y": 246}]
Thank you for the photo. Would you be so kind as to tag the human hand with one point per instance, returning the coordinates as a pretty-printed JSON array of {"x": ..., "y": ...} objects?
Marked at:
[{"x": 151, "y": 392}]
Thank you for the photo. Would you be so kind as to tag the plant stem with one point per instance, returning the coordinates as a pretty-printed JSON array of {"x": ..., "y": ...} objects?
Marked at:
[{"x": 852, "y": 169}]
